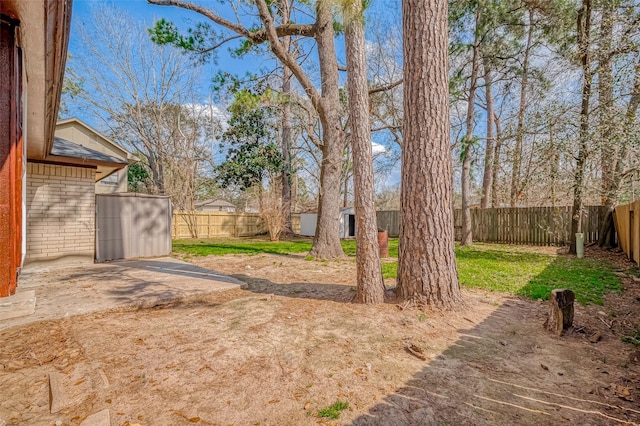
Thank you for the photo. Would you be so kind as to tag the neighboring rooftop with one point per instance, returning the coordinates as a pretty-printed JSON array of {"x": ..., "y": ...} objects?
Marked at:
[
  {"x": 65, "y": 148},
  {"x": 80, "y": 125},
  {"x": 214, "y": 203}
]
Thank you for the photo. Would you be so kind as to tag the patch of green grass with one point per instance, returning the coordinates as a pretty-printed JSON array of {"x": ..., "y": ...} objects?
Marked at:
[
  {"x": 218, "y": 247},
  {"x": 534, "y": 275},
  {"x": 489, "y": 266},
  {"x": 389, "y": 269},
  {"x": 349, "y": 247},
  {"x": 498, "y": 269},
  {"x": 333, "y": 411},
  {"x": 588, "y": 278}
]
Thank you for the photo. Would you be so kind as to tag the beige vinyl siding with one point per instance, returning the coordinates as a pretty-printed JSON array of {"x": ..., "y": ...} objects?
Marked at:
[
  {"x": 78, "y": 134},
  {"x": 82, "y": 136},
  {"x": 106, "y": 186}
]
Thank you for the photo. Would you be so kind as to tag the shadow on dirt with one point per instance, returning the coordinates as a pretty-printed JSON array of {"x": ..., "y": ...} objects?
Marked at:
[
  {"x": 318, "y": 291},
  {"x": 508, "y": 370}
]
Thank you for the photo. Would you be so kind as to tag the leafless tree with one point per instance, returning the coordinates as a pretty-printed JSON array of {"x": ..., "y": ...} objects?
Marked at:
[{"x": 144, "y": 95}]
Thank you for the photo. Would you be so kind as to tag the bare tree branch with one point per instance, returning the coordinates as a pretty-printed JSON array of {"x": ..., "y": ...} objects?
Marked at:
[
  {"x": 286, "y": 57},
  {"x": 256, "y": 37},
  {"x": 217, "y": 45},
  {"x": 386, "y": 87}
]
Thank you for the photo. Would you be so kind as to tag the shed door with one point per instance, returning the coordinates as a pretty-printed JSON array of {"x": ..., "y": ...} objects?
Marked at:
[{"x": 352, "y": 226}]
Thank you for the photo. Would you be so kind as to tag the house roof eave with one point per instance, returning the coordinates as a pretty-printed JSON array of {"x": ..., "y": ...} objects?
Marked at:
[{"x": 43, "y": 37}]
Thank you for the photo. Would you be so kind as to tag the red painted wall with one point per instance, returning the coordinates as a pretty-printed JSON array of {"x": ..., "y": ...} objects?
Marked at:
[{"x": 10, "y": 159}]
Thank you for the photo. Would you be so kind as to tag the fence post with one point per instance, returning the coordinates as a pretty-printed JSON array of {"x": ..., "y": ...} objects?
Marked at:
[{"x": 235, "y": 225}]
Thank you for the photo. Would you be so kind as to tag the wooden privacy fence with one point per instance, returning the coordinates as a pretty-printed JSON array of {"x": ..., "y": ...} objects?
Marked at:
[
  {"x": 389, "y": 220},
  {"x": 549, "y": 226},
  {"x": 520, "y": 225},
  {"x": 627, "y": 221},
  {"x": 220, "y": 224}
]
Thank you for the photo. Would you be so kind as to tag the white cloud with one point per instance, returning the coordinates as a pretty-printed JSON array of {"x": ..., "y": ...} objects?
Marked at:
[
  {"x": 208, "y": 110},
  {"x": 376, "y": 148}
]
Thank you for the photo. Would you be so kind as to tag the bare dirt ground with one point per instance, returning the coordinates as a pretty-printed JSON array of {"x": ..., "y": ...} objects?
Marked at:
[{"x": 292, "y": 344}]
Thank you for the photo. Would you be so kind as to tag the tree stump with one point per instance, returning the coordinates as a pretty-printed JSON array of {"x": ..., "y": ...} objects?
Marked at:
[{"x": 560, "y": 316}]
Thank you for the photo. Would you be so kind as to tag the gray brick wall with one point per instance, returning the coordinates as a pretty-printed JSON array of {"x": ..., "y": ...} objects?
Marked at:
[{"x": 60, "y": 212}]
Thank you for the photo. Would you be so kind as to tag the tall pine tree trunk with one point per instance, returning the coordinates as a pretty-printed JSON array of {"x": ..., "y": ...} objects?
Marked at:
[
  {"x": 370, "y": 287},
  {"x": 495, "y": 201},
  {"x": 286, "y": 149},
  {"x": 608, "y": 146},
  {"x": 467, "y": 147},
  {"x": 345, "y": 187},
  {"x": 584, "y": 29},
  {"x": 326, "y": 242},
  {"x": 487, "y": 177},
  {"x": 516, "y": 184},
  {"x": 426, "y": 256},
  {"x": 554, "y": 166},
  {"x": 608, "y": 154}
]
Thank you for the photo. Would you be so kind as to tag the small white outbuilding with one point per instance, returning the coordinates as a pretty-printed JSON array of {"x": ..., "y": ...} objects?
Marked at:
[{"x": 309, "y": 221}]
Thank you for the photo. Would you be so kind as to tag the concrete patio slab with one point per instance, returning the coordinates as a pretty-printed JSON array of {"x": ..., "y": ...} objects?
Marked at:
[
  {"x": 76, "y": 290},
  {"x": 18, "y": 305}
]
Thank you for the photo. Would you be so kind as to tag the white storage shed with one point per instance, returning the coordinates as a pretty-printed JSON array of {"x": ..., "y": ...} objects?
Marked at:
[{"x": 309, "y": 221}]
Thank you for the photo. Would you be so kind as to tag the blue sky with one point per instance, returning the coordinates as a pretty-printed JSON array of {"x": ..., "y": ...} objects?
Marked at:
[{"x": 147, "y": 14}]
